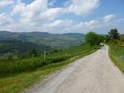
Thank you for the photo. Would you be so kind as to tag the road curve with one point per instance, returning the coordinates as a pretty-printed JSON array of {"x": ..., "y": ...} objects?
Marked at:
[{"x": 94, "y": 73}]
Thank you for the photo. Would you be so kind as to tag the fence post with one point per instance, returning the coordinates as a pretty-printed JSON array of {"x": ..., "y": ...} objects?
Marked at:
[{"x": 44, "y": 55}]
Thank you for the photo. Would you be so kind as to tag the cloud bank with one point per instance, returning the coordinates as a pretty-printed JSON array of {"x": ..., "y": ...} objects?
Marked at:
[{"x": 37, "y": 16}]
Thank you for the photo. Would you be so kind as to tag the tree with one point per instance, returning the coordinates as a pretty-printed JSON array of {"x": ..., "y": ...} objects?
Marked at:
[
  {"x": 100, "y": 38},
  {"x": 107, "y": 38},
  {"x": 92, "y": 39},
  {"x": 114, "y": 34},
  {"x": 32, "y": 52}
]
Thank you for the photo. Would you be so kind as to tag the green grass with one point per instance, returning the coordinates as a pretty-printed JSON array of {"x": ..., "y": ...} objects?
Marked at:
[
  {"x": 30, "y": 64},
  {"x": 117, "y": 55},
  {"x": 16, "y": 81}
]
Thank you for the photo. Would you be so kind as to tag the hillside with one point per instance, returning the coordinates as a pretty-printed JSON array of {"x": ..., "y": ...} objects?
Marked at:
[
  {"x": 47, "y": 39},
  {"x": 14, "y": 46}
]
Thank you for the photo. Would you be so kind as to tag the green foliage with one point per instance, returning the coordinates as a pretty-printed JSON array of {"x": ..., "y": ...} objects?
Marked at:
[
  {"x": 93, "y": 39},
  {"x": 122, "y": 37},
  {"x": 114, "y": 34},
  {"x": 24, "y": 65},
  {"x": 116, "y": 53},
  {"x": 32, "y": 52},
  {"x": 17, "y": 82},
  {"x": 19, "y": 48},
  {"x": 55, "y": 50},
  {"x": 107, "y": 38},
  {"x": 114, "y": 38},
  {"x": 116, "y": 50},
  {"x": 10, "y": 57}
]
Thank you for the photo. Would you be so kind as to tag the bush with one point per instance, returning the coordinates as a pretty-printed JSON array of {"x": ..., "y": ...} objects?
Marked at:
[
  {"x": 93, "y": 39},
  {"x": 29, "y": 64}
]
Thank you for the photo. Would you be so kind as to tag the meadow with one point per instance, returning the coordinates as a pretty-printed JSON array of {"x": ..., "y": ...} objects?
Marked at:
[{"x": 16, "y": 75}]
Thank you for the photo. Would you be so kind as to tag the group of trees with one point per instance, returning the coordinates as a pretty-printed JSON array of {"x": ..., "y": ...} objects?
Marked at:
[
  {"x": 114, "y": 34},
  {"x": 93, "y": 39}
]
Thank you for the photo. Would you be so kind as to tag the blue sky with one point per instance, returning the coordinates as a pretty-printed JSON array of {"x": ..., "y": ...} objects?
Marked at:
[{"x": 62, "y": 16}]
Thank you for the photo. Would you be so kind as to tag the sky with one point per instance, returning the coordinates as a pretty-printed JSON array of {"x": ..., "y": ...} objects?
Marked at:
[{"x": 62, "y": 16}]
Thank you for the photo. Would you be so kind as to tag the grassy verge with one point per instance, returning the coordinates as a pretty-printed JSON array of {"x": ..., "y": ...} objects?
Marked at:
[
  {"x": 17, "y": 82},
  {"x": 30, "y": 64},
  {"x": 116, "y": 54}
]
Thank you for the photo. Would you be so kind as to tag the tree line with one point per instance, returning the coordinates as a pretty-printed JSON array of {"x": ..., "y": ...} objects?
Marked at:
[{"x": 94, "y": 39}]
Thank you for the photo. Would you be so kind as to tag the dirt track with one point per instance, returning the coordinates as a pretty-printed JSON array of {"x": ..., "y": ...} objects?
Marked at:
[{"x": 92, "y": 74}]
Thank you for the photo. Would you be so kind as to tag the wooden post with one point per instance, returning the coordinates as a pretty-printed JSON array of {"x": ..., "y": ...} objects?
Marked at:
[{"x": 44, "y": 55}]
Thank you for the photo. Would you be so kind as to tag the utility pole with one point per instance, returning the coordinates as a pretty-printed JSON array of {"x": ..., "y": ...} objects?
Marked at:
[{"x": 44, "y": 55}]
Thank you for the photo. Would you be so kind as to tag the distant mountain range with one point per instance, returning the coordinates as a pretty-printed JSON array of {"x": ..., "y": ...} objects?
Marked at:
[{"x": 45, "y": 39}]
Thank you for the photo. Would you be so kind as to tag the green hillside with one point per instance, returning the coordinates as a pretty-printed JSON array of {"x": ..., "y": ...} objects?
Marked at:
[
  {"x": 47, "y": 39},
  {"x": 19, "y": 47}
]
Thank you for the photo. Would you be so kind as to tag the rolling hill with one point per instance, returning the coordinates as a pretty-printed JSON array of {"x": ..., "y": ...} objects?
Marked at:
[
  {"x": 17, "y": 47},
  {"x": 60, "y": 41}
]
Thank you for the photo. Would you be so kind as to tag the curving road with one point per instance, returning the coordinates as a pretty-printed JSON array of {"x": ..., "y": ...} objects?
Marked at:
[{"x": 92, "y": 74}]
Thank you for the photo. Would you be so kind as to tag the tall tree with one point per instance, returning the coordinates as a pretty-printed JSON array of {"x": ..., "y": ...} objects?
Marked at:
[
  {"x": 114, "y": 34},
  {"x": 91, "y": 38},
  {"x": 32, "y": 52}
]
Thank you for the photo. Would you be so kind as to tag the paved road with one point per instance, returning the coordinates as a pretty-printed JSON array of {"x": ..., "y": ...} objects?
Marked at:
[{"x": 92, "y": 74}]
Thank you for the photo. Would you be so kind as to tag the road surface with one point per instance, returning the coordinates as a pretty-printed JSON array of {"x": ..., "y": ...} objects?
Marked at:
[{"x": 94, "y": 73}]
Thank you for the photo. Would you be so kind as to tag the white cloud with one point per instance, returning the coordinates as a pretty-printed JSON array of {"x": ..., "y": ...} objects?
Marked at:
[
  {"x": 51, "y": 3},
  {"x": 37, "y": 16},
  {"x": 67, "y": 25},
  {"x": 51, "y": 13},
  {"x": 97, "y": 23},
  {"x": 81, "y": 7},
  {"x": 60, "y": 23},
  {"x": 30, "y": 10},
  {"x": 107, "y": 18},
  {"x": 29, "y": 14},
  {"x": 56, "y": 23},
  {"x": 89, "y": 24},
  {"x": 5, "y": 20},
  {"x": 36, "y": 12},
  {"x": 4, "y": 3},
  {"x": 18, "y": 8},
  {"x": 58, "y": 26},
  {"x": 78, "y": 7}
]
